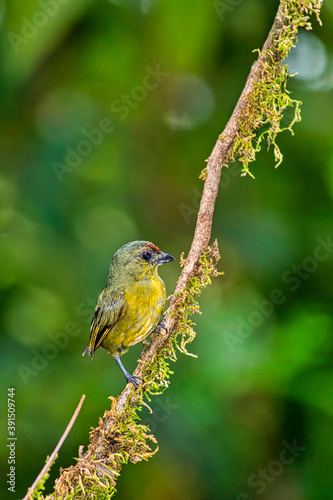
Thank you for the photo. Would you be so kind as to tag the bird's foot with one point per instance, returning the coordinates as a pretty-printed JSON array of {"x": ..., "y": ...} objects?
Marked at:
[
  {"x": 133, "y": 379},
  {"x": 88, "y": 351},
  {"x": 161, "y": 325}
]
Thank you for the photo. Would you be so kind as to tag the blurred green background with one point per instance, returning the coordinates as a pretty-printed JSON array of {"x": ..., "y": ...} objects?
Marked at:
[{"x": 109, "y": 110}]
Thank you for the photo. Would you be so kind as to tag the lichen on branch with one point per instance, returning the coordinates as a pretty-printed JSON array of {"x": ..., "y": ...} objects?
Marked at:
[
  {"x": 260, "y": 117},
  {"x": 187, "y": 300}
]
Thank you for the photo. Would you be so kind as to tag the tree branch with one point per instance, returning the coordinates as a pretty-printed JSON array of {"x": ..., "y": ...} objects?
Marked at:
[{"x": 263, "y": 100}]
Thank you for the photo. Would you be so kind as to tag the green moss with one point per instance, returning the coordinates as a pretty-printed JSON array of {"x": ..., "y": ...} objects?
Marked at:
[
  {"x": 127, "y": 441},
  {"x": 188, "y": 299},
  {"x": 38, "y": 492},
  {"x": 261, "y": 120}
]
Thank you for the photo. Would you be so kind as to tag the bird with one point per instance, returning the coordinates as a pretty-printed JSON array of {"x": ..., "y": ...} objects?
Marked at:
[{"x": 132, "y": 303}]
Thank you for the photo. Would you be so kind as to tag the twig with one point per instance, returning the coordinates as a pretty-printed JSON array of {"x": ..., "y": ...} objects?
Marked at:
[{"x": 51, "y": 459}]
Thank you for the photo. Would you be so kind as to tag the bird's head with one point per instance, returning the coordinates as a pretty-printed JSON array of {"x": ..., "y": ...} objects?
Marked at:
[{"x": 139, "y": 259}]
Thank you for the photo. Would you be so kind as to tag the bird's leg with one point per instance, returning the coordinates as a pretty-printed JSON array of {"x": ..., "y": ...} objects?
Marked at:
[
  {"x": 136, "y": 381},
  {"x": 160, "y": 325}
]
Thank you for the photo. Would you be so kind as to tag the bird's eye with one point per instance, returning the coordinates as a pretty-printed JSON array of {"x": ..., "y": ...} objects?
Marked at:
[{"x": 146, "y": 256}]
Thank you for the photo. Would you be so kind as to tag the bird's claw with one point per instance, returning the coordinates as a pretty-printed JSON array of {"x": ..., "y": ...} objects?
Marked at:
[
  {"x": 161, "y": 325},
  {"x": 133, "y": 379}
]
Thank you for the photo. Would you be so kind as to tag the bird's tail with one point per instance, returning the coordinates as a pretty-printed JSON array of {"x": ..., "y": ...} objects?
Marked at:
[{"x": 88, "y": 351}]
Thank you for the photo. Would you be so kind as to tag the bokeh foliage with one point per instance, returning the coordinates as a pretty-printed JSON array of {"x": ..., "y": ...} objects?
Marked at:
[{"x": 227, "y": 413}]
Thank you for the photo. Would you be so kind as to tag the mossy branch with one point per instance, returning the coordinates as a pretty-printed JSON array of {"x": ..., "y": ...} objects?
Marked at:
[
  {"x": 265, "y": 96},
  {"x": 119, "y": 438}
]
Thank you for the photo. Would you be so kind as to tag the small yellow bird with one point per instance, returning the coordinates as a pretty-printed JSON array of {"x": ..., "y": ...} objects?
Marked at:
[{"x": 132, "y": 302}]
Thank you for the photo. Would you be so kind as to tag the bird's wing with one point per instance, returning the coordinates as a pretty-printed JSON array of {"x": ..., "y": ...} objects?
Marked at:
[{"x": 106, "y": 315}]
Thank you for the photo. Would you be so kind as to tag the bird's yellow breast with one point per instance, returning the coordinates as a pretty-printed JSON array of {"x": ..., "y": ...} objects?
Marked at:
[{"x": 145, "y": 302}]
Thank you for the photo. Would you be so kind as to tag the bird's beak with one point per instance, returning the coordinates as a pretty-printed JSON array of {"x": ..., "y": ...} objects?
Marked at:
[{"x": 165, "y": 258}]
